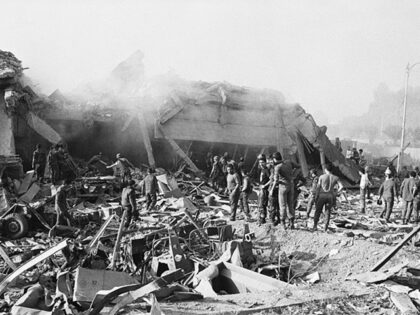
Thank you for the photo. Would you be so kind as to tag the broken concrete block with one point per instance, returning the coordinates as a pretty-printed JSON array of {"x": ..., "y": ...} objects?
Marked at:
[
  {"x": 31, "y": 193},
  {"x": 88, "y": 282},
  {"x": 403, "y": 303}
]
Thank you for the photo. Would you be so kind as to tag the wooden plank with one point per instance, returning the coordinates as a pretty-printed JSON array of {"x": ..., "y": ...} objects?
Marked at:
[
  {"x": 179, "y": 151},
  {"x": 34, "y": 261},
  {"x": 403, "y": 303},
  {"x": 115, "y": 254},
  {"x": 6, "y": 258},
  {"x": 146, "y": 140},
  {"x": 395, "y": 250}
]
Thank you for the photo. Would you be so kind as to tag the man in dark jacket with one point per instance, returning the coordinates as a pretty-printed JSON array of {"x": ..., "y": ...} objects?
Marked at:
[
  {"x": 53, "y": 164},
  {"x": 150, "y": 189},
  {"x": 264, "y": 182},
  {"x": 39, "y": 161},
  {"x": 234, "y": 189},
  {"x": 284, "y": 177}
]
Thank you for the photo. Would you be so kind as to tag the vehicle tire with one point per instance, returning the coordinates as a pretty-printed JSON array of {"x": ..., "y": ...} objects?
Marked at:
[{"x": 15, "y": 225}]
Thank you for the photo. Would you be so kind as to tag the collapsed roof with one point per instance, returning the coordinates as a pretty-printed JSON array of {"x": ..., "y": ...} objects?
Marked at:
[{"x": 171, "y": 108}]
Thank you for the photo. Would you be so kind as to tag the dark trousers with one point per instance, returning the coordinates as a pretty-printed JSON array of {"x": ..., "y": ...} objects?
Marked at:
[
  {"x": 286, "y": 202},
  {"x": 388, "y": 205},
  {"x": 63, "y": 216},
  {"x": 39, "y": 171},
  {"x": 233, "y": 200},
  {"x": 263, "y": 203},
  {"x": 324, "y": 200},
  {"x": 416, "y": 204},
  {"x": 55, "y": 174},
  {"x": 243, "y": 202},
  {"x": 363, "y": 193},
  {"x": 273, "y": 208},
  {"x": 130, "y": 215},
  {"x": 408, "y": 208},
  {"x": 150, "y": 200},
  {"x": 311, "y": 202}
]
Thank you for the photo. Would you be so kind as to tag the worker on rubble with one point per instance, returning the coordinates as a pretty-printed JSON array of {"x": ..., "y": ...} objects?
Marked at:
[
  {"x": 233, "y": 182},
  {"x": 313, "y": 182},
  {"x": 39, "y": 161},
  {"x": 299, "y": 181},
  {"x": 407, "y": 191},
  {"x": 128, "y": 202},
  {"x": 95, "y": 161},
  {"x": 223, "y": 165},
  {"x": 246, "y": 190},
  {"x": 416, "y": 201},
  {"x": 216, "y": 174},
  {"x": 123, "y": 168},
  {"x": 264, "y": 182},
  {"x": 150, "y": 189},
  {"x": 388, "y": 191},
  {"x": 61, "y": 161},
  {"x": 273, "y": 193},
  {"x": 53, "y": 164},
  {"x": 61, "y": 207},
  {"x": 365, "y": 183},
  {"x": 324, "y": 197},
  {"x": 284, "y": 177}
]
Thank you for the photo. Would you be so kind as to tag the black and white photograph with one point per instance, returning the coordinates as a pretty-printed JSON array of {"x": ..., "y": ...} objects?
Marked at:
[{"x": 209, "y": 157}]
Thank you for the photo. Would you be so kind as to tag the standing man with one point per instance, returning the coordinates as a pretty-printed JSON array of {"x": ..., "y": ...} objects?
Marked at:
[
  {"x": 128, "y": 202},
  {"x": 234, "y": 189},
  {"x": 273, "y": 193},
  {"x": 313, "y": 179},
  {"x": 39, "y": 161},
  {"x": 388, "y": 191},
  {"x": 122, "y": 166},
  {"x": 246, "y": 190},
  {"x": 150, "y": 189},
  {"x": 364, "y": 188},
  {"x": 61, "y": 207},
  {"x": 216, "y": 174},
  {"x": 283, "y": 177},
  {"x": 325, "y": 195},
  {"x": 53, "y": 164},
  {"x": 416, "y": 201},
  {"x": 407, "y": 190},
  {"x": 264, "y": 182}
]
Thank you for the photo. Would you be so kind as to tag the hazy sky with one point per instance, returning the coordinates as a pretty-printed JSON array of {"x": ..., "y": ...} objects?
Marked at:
[{"x": 327, "y": 55}]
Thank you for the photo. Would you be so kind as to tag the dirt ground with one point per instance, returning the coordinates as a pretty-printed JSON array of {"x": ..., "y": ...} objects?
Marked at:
[{"x": 332, "y": 255}]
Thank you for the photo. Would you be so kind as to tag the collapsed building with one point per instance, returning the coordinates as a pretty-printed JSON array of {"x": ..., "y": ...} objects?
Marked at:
[{"x": 161, "y": 120}]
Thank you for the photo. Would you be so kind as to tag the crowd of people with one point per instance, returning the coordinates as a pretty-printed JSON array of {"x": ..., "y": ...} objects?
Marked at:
[{"x": 279, "y": 181}]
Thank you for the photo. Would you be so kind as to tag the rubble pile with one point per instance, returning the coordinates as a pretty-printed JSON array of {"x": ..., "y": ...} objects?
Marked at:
[
  {"x": 10, "y": 66},
  {"x": 185, "y": 249}
]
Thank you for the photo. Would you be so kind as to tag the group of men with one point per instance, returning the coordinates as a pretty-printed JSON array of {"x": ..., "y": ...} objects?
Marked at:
[
  {"x": 409, "y": 190},
  {"x": 279, "y": 183},
  {"x": 55, "y": 160}
]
